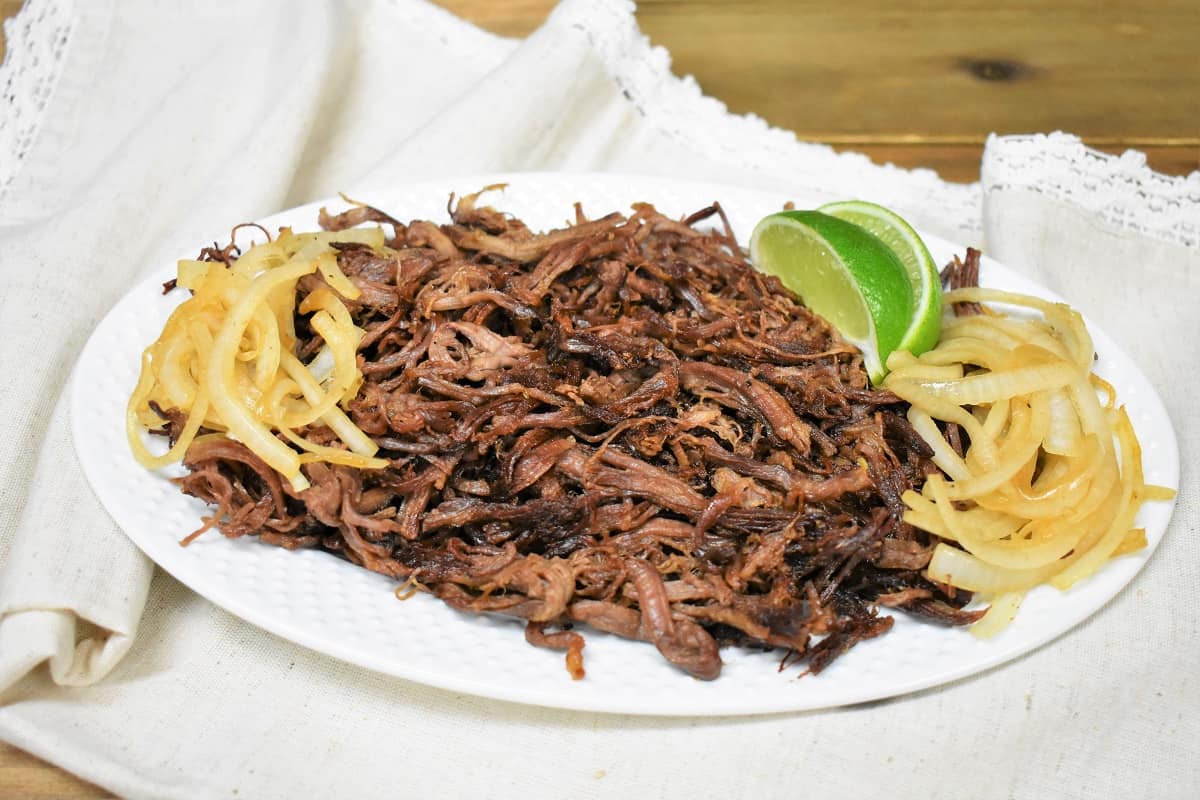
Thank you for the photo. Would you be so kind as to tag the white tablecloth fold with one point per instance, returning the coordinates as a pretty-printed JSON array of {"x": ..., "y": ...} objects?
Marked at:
[{"x": 134, "y": 132}]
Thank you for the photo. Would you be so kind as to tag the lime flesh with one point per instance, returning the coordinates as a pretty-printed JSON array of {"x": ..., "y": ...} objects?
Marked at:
[
  {"x": 843, "y": 273},
  {"x": 926, "y": 326}
]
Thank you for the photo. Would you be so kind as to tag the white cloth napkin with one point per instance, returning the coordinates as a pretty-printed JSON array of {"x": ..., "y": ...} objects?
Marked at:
[{"x": 135, "y": 131}]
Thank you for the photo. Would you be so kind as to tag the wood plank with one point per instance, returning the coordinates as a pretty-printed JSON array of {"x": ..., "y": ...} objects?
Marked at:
[
  {"x": 942, "y": 74},
  {"x": 24, "y": 776},
  {"x": 943, "y": 67},
  {"x": 8, "y": 8},
  {"x": 516, "y": 18}
]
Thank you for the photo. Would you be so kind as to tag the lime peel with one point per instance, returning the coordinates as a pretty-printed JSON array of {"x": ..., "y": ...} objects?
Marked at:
[
  {"x": 842, "y": 272},
  {"x": 926, "y": 325}
]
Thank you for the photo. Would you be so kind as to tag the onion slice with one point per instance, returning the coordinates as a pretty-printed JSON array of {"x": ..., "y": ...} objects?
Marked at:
[
  {"x": 226, "y": 358},
  {"x": 1050, "y": 484}
]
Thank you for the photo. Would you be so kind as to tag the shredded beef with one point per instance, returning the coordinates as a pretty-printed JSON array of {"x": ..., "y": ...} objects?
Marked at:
[
  {"x": 963, "y": 274},
  {"x": 618, "y": 423}
]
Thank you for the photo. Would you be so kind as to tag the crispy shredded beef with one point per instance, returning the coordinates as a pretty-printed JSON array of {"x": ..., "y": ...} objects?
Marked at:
[
  {"x": 963, "y": 274},
  {"x": 618, "y": 423}
]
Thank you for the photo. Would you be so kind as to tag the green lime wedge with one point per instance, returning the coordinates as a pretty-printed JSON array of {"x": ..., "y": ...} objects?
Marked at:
[
  {"x": 843, "y": 273},
  {"x": 926, "y": 326}
]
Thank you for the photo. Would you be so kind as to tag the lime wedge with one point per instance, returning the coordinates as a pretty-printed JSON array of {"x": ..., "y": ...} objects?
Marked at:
[
  {"x": 926, "y": 326},
  {"x": 843, "y": 273}
]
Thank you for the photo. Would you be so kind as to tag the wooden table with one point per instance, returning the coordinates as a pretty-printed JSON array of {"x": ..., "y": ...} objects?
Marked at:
[
  {"x": 917, "y": 84},
  {"x": 921, "y": 84}
]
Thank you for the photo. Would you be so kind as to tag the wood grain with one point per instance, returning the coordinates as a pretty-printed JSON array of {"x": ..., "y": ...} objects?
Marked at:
[
  {"x": 922, "y": 83},
  {"x": 947, "y": 68},
  {"x": 918, "y": 84},
  {"x": 26, "y": 777},
  {"x": 8, "y": 8}
]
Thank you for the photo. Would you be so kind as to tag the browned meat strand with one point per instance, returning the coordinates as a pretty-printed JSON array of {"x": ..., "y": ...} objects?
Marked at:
[
  {"x": 960, "y": 274},
  {"x": 619, "y": 424}
]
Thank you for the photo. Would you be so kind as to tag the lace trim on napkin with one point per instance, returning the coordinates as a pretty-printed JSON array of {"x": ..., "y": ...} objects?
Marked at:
[
  {"x": 37, "y": 40},
  {"x": 704, "y": 125},
  {"x": 1121, "y": 190}
]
